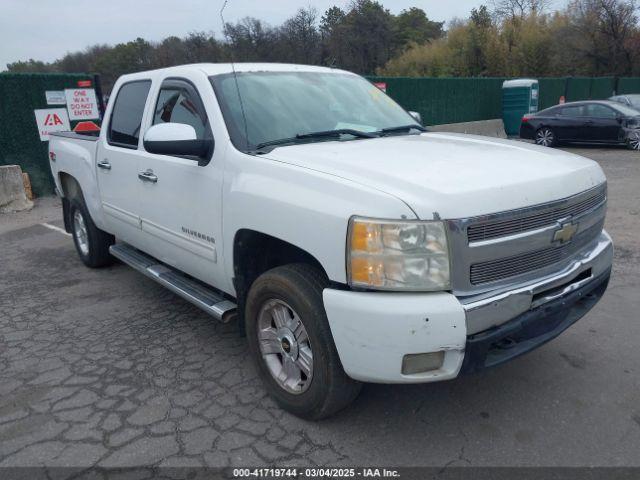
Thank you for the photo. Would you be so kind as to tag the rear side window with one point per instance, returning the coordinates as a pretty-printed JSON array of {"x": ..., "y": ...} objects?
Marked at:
[
  {"x": 577, "y": 111},
  {"x": 600, "y": 111},
  {"x": 126, "y": 117}
]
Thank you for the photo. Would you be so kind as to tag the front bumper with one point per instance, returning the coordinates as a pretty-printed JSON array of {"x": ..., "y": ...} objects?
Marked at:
[
  {"x": 373, "y": 331},
  {"x": 533, "y": 328}
]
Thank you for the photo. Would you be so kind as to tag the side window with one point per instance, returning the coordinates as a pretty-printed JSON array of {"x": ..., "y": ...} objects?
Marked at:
[
  {"x": 178, "y": 102},
  {"x": 600, "y": 111},
  {"x": 126, "y": 117},
  {"x": 577, "y": 111}
]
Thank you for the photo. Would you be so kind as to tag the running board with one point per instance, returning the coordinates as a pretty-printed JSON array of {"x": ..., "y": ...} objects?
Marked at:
[{"x": 199, "y": 294}]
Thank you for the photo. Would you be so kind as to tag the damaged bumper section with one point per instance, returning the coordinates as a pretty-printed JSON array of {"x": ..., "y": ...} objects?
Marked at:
[{"x": 425, "y": 337}]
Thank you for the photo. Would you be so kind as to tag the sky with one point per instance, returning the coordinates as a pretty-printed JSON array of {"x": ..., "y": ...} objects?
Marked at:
[{"x": 47, "y": 29}]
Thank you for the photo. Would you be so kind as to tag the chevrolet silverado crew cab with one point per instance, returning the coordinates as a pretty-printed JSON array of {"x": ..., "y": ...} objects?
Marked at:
[{"x": 348, "y": 243}]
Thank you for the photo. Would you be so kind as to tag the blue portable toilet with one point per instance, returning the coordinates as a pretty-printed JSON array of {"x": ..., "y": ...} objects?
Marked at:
[{"x": 519, "y": 97}]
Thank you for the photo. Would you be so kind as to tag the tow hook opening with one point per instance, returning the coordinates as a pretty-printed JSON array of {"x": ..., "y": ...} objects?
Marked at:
[{"x": 505, "y": 344}]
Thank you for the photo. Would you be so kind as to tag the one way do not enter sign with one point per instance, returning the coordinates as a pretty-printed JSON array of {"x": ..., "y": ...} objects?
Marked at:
[{"x": 81, "y": 103}]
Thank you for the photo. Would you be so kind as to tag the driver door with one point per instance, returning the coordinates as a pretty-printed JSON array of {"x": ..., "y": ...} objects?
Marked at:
[{"x": 180, "y": 197}]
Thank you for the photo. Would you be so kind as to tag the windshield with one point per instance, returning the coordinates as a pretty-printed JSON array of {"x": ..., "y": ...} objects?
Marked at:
[
  {"x": 281, "y": 105},
  {"x": 635, "y": 100},
  {"x": 625, "y": 110}
]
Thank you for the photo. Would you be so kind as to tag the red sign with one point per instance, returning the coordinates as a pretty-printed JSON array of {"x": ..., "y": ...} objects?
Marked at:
[
  {"x": 52, "y": 119},
  {"x": 84, "y": 83},
  {"x": 382, "y": 86},
  {"x": 82, "y": 127},
  {"x": 81, "y": 103}
]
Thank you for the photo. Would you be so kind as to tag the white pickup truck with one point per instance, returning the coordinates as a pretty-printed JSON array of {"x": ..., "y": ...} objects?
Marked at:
[{"x": 350, "y": 245}]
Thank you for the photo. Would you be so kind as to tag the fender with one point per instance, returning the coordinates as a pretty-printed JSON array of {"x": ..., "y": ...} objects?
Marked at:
[{"x": 309, "y": 209}]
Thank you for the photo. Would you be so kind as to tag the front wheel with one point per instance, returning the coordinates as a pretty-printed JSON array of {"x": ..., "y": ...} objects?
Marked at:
[
  {"x": 545, "y": 137},
  {"x": 291, "y": 342},
  {"x": 633, "y": 141}
]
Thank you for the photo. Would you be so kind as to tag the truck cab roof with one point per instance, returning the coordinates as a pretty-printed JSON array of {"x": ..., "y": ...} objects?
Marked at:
[{"x": 223, "y": 68}]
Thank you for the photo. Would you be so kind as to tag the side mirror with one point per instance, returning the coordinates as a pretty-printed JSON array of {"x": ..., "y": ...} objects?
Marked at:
[
  {"x": 416, "y": 116},
  {"x": 176, "y": 139}
]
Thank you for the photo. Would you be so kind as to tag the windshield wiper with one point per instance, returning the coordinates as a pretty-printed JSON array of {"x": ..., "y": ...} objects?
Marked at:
[
  {"x": 312, "y": 135},
  {"x": 403, "y": 128},
  {"x": 337, "y": 133},
  {"x": 273, "y": 143}
]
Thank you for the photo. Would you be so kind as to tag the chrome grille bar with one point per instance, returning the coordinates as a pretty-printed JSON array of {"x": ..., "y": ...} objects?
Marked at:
[
  {"x": 503, "y": 228},
  {"x": 495, "y": 270}
]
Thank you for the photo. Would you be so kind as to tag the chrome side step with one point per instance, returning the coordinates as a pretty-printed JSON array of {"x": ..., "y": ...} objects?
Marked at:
[{"x": 201, "y": 295}]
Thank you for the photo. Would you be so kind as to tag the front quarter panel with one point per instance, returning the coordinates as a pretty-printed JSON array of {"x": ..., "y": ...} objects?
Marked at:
[{"x": 301, "y": 206}]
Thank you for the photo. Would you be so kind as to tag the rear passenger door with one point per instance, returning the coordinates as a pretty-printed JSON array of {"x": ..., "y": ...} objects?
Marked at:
[
  {"x": 604, "y": 125},
  {"x": 181, "y": 210},
  {"x": 117, "y": 161},
  {"x": 570, "y": 123}
]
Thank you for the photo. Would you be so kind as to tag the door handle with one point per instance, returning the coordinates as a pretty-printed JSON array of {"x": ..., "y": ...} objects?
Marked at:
[
  {"x": 104, "y": 164},
  {"x": 148, "y": 176}
]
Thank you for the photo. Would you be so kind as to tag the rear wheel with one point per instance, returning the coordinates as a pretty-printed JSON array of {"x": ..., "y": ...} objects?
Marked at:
[
  {"x": 92, "y": 244},
  {"x": 291, "y": 342},
  {"x": 633, "y": 141},
  {"x": 545, "y": 137}
]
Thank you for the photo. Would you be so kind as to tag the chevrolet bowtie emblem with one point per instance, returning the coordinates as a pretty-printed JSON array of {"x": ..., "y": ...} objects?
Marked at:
[{"x": 565, "y": 233}]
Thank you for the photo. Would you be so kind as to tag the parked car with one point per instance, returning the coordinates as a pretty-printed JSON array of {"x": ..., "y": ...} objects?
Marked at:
[
  {"x": 595, "y": 122},
  {"x": 630, "y": 100},
  {"x": 350, "y": 245}
]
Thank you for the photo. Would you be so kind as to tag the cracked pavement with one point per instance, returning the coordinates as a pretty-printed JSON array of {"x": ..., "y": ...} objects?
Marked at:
[{"x": 106, "y": 368}]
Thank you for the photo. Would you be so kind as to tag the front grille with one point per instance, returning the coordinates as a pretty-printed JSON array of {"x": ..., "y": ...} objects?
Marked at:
[
  {"x": 504, "y": 228},
  {"x": 503, "y": 268}
]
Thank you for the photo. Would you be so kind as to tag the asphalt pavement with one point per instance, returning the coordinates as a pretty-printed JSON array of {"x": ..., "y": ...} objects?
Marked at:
[{"x": 104, "y": 367}]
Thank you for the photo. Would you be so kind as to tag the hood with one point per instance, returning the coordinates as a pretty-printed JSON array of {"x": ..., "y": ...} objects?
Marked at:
[{"x": 453, "y": 175}]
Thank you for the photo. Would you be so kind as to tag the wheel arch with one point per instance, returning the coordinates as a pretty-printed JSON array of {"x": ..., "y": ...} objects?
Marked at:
[
  {"x": 70, "y": 189},
  {"x": 255, "y": 252}
]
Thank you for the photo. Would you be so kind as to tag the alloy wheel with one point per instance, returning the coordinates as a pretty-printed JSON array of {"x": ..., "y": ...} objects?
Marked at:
[
  {"x": 545, "y": 137},
  {"x": 284, "y": 346},
  {"x": 80, "y": 232},
  {"x": 634, "y": 141}
]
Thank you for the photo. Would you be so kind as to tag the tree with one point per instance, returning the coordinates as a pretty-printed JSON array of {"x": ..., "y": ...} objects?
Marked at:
[
  {"x": 30, "y": 66},
  {"x": 251, "y": 40},
  {"x": 301, "y": 38},
  {"x": 413, "y": 26},
  {"x": 519, "y": 8},
  {"x": 364, "y": 39},
  {"x": 602, "y": 33},
  {"x": 481, "y": 17}
]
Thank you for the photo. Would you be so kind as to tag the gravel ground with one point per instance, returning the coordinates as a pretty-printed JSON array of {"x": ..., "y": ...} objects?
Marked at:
[{"x": 104, "y": 367}]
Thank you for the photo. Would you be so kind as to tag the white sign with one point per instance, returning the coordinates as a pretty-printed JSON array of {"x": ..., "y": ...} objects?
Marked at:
[
  {"x": 51, "y": 120},
  {"x": 81, "y": 103},
  {"x": 55, "y": 97}
]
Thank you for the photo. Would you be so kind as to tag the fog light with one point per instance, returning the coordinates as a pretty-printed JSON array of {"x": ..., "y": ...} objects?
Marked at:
[{"x": 422, "y": 362}]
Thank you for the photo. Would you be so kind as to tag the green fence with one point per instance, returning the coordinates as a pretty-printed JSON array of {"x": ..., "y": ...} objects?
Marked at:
[
  {"x": 447, "y": 100},
  {"x": 628, "y": 85},
  {"x": 20, "y": 95},
  {"x": 453, "y": 100}
]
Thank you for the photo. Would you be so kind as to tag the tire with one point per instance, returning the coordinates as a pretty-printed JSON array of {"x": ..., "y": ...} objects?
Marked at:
[
  {"x": 290, "y": 296},
  {"x": 545, "y": 137},
  {"x": 633, "y": 141},
  {"x": 92, "y": 244}
]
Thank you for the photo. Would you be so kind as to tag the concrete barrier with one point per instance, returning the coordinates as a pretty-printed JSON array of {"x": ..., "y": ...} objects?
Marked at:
[
  {"x": 487, "y": 128},
  {"x": 12, "y": 195}
]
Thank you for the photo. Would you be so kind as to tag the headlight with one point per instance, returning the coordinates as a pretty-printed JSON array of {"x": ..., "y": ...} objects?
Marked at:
[{"x": 397, "y": 255}]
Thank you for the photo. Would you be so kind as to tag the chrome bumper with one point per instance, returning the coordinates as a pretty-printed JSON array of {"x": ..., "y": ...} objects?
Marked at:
[{"x": 491, "y": 310}]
